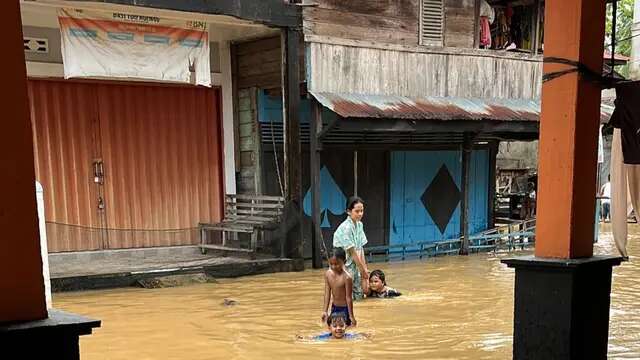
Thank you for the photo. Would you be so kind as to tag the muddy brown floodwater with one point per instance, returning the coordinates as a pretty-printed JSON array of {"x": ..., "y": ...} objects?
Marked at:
[{"x": 452, "y": 308}]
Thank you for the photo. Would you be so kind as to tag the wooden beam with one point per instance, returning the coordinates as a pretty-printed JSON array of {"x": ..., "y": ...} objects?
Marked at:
[
  {"x": 435, "y": 126},
  {"x": 314, "y": 163},
  {"x": 574, "y": 30},
  {"x": 292, "y": 151},
  {"x": 422, "y": 49},
  {"x": 21, "y": 273},
  {"x": 493, "y": 154},
  {"x": 268, "y": 12}
]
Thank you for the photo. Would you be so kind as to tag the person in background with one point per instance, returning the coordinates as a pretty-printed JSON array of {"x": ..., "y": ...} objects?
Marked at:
[
  {"x": 350, "y": 236},
  {"x": 605, "y": 200}
]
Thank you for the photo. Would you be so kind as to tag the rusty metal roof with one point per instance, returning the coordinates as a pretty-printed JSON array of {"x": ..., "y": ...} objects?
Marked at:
[
  {"x": 436, "y": 108},
  {"x": 429, "y": 108}
]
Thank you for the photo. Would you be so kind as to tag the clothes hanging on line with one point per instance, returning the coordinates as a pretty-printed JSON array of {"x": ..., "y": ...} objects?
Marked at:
[{"x": 625, "y": 160}]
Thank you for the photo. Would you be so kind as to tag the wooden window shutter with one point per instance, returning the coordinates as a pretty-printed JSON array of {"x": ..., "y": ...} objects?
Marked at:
[{"x": 431, "y": 22}]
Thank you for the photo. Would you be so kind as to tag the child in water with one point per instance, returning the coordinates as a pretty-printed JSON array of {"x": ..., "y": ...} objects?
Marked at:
[
  {"x": 337, "y": 330},
  {"x": 338, "y": 289},
  {"x": 337, "y": 327},
  {"x": 378, "y": 286}
]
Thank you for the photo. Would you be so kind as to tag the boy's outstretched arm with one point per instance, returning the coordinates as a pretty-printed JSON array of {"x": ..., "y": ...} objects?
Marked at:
[
  {"x": 327, "y": 298},
  {"x": 349, "y": 298}
]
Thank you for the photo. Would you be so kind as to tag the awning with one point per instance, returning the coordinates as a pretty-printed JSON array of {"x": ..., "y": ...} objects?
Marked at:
[
  {"x": 429, "y": 108},
  {"x": 435, "y": 108}
]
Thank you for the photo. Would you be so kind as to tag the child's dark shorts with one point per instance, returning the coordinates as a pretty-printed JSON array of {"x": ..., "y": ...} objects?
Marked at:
[{"x": 340, "y": 309}]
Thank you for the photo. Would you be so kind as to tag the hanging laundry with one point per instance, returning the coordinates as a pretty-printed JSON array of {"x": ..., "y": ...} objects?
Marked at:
[
  {"x": 485, "y": 32},
  {"x": 487, "y": 11},
  {"x": 625, "y": 174}
]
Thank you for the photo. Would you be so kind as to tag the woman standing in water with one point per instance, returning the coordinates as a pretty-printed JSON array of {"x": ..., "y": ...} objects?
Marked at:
[{"x": 350, "y": 236}]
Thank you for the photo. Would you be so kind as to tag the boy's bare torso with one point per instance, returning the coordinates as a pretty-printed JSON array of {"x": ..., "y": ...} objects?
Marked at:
[{"x": 338, "y": 285}]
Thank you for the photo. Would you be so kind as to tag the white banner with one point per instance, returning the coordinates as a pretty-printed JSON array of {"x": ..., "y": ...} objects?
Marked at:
[{"x": 119, "y": 45}]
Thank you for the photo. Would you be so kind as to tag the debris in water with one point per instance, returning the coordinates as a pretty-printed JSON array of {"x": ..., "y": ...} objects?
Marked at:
[
  {"x": 229, "y": 302},
  {"x": 175, "y": 280}
]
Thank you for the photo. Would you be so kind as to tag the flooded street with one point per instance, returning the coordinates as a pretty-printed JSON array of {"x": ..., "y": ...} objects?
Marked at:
[{"x": 452, "y": 308}]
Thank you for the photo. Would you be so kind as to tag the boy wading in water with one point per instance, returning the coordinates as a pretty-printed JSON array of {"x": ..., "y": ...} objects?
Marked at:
[{"x": 337, "y": 289}]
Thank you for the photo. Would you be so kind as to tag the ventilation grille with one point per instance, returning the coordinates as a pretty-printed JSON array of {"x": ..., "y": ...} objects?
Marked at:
[
  {"x": 432, "y": 22},
  {"x": 36, "y": 45}
]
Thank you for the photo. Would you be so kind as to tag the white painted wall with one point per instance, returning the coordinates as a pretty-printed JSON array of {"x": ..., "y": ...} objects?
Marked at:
[{"x": 228, "y": 128}]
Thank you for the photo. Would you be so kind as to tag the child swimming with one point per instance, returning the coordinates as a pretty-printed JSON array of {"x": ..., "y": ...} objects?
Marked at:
[
  {"x": 338, "y": 289},
  {"x": 337, "y": 330},
  {"x": 337, "y": 327},
  {"x": 378, "y": 286}
]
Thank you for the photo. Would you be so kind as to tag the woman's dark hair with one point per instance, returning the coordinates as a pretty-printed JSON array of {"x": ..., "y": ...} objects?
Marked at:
[
  {"x": 339, "y": 254},
  {"x": 353, "y": 201},
  {"x": 380, "y": 276}
]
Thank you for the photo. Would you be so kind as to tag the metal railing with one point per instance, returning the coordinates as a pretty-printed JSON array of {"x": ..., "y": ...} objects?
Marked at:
[{"x": 511, "y": 237}]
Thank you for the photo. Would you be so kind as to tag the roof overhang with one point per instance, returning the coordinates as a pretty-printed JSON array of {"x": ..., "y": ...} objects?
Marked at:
[
  {"x": 430, "y": 108},
  {"x": 383, "y": 119}
]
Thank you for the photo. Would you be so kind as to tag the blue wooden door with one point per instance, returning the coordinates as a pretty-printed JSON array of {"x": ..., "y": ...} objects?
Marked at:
[{"x": 424, "y": 196}]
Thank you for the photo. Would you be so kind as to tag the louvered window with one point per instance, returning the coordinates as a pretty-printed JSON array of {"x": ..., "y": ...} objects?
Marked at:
[{"x": 431, "y": 22}]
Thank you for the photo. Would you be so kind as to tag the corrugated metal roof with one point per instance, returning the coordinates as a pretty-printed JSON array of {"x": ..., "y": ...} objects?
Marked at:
[
  {"x": 430, "y": 108},
  {"x": 435, "y": 108}
]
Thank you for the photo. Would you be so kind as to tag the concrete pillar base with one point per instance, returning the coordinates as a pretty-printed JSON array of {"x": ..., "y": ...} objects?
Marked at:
[
  {"x": 56, "y": 337},
  {"x": 561, "y": 307}
]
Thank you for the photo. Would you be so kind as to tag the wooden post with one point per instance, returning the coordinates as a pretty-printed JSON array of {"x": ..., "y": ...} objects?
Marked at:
[
  {"x": 292, "y": 160},
  {"x": 493, "y": 153},
  {"x": 464, "y": 203},
  {"x": 536, "y": 34},
  {"x": 314, "y": 163},
  {"x": 476, "y": 24},
  {"x": 355, "y": 173}
]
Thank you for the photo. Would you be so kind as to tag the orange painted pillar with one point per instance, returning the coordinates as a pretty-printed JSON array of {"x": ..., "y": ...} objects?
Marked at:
[
  {"x": 21, "y": 281},
  {"x": 574, "y": 30}
]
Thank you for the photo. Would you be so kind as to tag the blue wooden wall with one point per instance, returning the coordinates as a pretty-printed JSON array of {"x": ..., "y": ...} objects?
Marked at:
[{"x": 270, "y": 109}]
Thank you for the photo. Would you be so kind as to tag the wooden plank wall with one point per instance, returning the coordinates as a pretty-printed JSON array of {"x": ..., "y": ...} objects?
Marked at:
[
  {"x": 258, "y": 63},
  {"x": 373, "y": 20},
  {"x": 459, "y": 23},
  {"x": 248, "y": 181},
  {"x": 470, "y": 73},
  {"x": 384, "y": 21}
]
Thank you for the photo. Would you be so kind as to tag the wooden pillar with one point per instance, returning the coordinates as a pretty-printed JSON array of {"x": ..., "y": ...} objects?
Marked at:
[
  {"x": 314, "y": 153},
  {"x": 464, "y": 203},
  {"x": 21, "y": 279},
  {"x": 493, "y": 154},
  {"x": 292, "y": 158},
  {"x": 476, "y": 24},
  {"x": 574, "y": 30},
  {"x": 535, "y": 27},
  {"x": 355, "y": 173}
]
